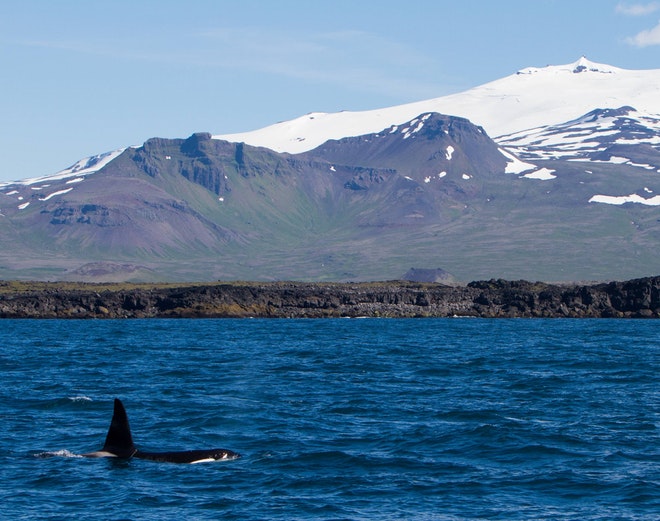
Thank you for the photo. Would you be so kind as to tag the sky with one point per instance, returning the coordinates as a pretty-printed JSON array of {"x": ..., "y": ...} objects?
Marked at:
[{"x": 83, "y": 77}]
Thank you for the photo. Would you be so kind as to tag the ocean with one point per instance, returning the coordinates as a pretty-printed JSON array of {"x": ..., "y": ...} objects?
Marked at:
[{"x": 335, "y": 419}]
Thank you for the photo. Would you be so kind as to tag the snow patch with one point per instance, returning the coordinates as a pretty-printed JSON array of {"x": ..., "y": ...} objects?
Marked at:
[
  {"x": 23, "y": 206},
  {"x": 449, "y": 152},
  {"x": 542, "y": 174},
  {"x": 642, "y": 165},
  {"x": 440, "y": 175},
  {"x": 623, "y": 199},
  {"x": 515, "y": 165},
  {"x": 59, "y": 192},
  {"x": 407, "y": 132},
  {"x": 618, "y": 160},
  {"x": 466, "y": 176}
]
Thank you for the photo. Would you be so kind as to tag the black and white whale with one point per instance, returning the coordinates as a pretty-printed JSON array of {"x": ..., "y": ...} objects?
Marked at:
[{"x": 119, "y": 444}]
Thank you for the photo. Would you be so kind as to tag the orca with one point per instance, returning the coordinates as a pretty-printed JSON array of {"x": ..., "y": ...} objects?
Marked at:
[{"x": 119, "y": 444}]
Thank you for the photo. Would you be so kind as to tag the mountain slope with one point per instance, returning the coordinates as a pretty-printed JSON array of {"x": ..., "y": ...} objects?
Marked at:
[
  {"x": 531, "y": 98},
  {"x": 200, "y": 201},
  {"x": 572, "y": 199},
  {"x": 588, "y": 136}
]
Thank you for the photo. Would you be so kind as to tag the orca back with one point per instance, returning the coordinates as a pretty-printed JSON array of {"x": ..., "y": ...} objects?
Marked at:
[
  {"x": 189, "y": 456},
  {"x": 119, "y": 440}
]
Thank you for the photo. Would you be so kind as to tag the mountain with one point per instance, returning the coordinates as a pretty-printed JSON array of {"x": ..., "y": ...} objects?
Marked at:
[
  {"x": 530, "y": 98},
  {"x": 556, "y": 200},
  {"x": 595, "y": 136},
  {"x": 206, "y": 208}
]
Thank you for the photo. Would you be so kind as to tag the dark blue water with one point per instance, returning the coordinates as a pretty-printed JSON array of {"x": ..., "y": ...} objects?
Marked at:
[{"x": 336, "y": 419}]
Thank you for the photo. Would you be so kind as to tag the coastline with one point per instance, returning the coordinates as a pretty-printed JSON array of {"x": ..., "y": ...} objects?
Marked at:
[{"x": 496, "y": 298}]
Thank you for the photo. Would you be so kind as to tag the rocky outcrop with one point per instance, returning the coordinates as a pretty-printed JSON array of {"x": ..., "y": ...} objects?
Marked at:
[
  {"x": 638, "y": 298},
  {"x": 429, "y": 275}
]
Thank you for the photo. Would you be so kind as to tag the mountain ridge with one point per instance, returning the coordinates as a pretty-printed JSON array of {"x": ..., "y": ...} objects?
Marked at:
[
  {"x": 529, "y": 98},
  {"x": 555, "y": 202}
]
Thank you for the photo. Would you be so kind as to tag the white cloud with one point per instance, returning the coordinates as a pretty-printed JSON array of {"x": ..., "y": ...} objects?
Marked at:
[
  {"x": 638, "y": 9},
  {"x": 646, "y": 38}
]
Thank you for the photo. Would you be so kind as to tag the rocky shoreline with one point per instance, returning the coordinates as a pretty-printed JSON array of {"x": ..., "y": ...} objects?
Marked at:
[{"x": 639, "y": 298}]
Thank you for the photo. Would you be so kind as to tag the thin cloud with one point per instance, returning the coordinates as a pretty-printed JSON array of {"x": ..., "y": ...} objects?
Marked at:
[
  {"x": 361, "y": 60},
  {"x": 110, "y": 49},
  {"x": 646, "y": 38},
  {"x": 358, "y": 60},
  {"x": 638, "y": 9}
]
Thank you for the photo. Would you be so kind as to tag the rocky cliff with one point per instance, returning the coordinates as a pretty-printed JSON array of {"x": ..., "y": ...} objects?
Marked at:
[{"x": 638, "y": 298}]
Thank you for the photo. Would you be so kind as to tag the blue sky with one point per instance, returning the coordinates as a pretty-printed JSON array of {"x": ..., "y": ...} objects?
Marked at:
[{"x": 85, "y": 77}]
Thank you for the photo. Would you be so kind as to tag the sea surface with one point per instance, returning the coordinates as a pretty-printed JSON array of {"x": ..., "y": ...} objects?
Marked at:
[{"x": 356, "y": 419}]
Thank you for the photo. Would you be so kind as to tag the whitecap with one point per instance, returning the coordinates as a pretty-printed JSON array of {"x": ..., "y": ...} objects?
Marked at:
[
  {"x": 79, "y": 398},
  {"x": 58, "y": 453}
]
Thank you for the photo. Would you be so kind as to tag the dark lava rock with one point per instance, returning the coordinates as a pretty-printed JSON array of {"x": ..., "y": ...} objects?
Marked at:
[{"x": 638, "y": 298}]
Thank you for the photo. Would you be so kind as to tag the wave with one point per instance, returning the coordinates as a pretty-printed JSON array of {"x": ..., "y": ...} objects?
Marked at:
[
  {"x": 79, "y": 399},
  {"x": 58, "y": 454}
]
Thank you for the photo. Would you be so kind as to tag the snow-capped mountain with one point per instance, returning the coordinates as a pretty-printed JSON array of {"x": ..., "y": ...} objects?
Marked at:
[
  {"x": 565, "y": 191},
  {"x": 531, "y": 98},
  {"x": 587, "y": 137},
  {"x": 75, "y": 173}
]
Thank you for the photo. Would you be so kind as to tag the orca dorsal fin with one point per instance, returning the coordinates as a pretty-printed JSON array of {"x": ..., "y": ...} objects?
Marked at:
[{"x": 119, "y": 440}]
